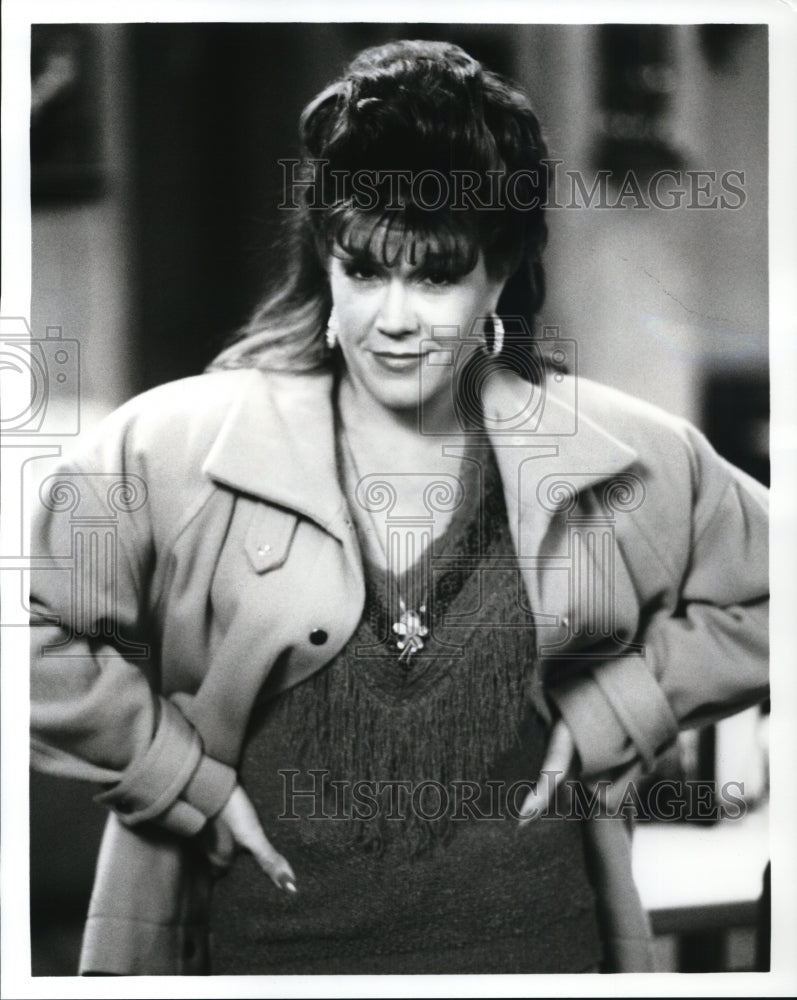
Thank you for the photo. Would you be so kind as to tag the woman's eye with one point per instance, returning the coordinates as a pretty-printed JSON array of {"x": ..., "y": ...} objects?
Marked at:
[
  {"x": 360, "y": 272},
  {"x": 438, "y": 279}
]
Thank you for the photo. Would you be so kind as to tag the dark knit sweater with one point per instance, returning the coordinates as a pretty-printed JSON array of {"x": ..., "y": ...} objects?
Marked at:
[{"x": 428, "y": 871}]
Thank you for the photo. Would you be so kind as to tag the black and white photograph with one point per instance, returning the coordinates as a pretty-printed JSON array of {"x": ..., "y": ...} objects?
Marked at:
[{"x": 399, "y": 453}]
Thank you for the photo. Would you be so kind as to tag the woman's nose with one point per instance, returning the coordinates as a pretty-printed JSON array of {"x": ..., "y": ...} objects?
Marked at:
[{"x": 396, "y": 316}]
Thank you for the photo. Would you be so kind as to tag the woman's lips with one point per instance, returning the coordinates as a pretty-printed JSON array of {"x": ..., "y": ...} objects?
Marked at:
[{"x": 395, "y": 362}]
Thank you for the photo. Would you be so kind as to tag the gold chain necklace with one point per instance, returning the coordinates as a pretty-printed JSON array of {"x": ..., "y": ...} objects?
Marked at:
[{"x": 409, "y": 630}]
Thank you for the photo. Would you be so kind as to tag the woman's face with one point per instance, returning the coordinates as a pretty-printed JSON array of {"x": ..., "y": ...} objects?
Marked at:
[{"x": 391, "y": 321}]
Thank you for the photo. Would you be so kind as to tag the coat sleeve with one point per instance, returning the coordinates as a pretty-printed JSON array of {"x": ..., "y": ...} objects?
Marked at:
[
  {"x": 705, "y": 651},
  {"x": 96, "y": 713}
]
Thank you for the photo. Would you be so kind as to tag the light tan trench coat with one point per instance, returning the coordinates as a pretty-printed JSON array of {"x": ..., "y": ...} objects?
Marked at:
[{"x": 200, "y": 538}]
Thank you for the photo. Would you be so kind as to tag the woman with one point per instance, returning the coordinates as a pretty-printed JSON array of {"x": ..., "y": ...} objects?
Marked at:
[{"x": 384, "y": 569}]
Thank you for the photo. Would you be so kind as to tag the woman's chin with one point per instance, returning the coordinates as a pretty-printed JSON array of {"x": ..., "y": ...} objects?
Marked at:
[
  {"x": 400, "y": 401},
  {"x": 400, "y": 392},
  {"x": 424, "y": 409}
]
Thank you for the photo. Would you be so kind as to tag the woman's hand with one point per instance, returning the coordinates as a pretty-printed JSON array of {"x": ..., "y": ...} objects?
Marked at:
[
  {"x": 559, "y": 763},
  {"x": 238, "y": 826}
]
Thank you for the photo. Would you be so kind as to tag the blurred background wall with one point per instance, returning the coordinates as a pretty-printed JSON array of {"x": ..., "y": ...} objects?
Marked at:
[{"x": 154, "y": 189}]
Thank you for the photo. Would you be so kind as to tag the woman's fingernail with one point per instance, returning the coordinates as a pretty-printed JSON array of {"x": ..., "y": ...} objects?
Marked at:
[
  {"x": 290, "y": 886},
  {"x": 286, "y": 882}
]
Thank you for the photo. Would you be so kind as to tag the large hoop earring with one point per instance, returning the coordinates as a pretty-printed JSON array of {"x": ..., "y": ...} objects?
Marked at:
[
  {"x": 332, "y": 330},
  {"x": 498, "y": 335}
]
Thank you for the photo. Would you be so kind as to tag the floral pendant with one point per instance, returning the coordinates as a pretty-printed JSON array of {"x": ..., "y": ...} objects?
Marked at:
[{"x": 411, "y": 630}]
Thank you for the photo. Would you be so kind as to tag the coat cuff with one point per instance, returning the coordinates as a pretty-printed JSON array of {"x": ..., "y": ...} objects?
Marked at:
[
  {"x": 600, "y": 739},
  {"x": 150, "y": 785},
  {"x": 204, "y": 796},
  {"x": 629, "y": 684},
  {"x": 615, "y": 714},
  {"x": 210, "y": 786},
  {"x": 174, "y": 782}
]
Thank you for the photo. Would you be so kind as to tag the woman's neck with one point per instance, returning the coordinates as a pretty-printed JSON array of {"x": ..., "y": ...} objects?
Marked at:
[
  {"x": 389, "y": 445},
  {"x": 393, "y": 439}
]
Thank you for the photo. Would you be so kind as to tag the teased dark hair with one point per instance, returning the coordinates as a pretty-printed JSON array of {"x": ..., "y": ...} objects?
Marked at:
[{"x": 405, "y": 106}]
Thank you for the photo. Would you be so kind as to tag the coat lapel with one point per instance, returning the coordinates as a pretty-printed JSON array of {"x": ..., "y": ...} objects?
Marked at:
[
  {"x": 551, "y": 457},
  {"x": 546, "y": 420},
  {"x": 278, "y": 444}
]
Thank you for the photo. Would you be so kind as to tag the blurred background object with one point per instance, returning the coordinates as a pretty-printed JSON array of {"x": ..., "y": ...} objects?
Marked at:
[
  {"x": 155, "y": 155},
  {"x": 65, "y": 129},
  {"x": 638, "y": 80}
]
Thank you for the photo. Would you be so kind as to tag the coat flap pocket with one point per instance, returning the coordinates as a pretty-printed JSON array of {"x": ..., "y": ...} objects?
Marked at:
[{"x": 268, "y": 537}]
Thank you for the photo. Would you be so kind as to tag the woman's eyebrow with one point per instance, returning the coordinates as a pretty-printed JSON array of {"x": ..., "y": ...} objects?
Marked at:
[{"x": 360, "y": 258}]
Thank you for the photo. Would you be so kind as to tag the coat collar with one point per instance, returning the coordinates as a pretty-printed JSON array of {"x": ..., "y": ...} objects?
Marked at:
[
  {"x": 552, "y": 424},
  {"x": 277, "y": 441}
]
